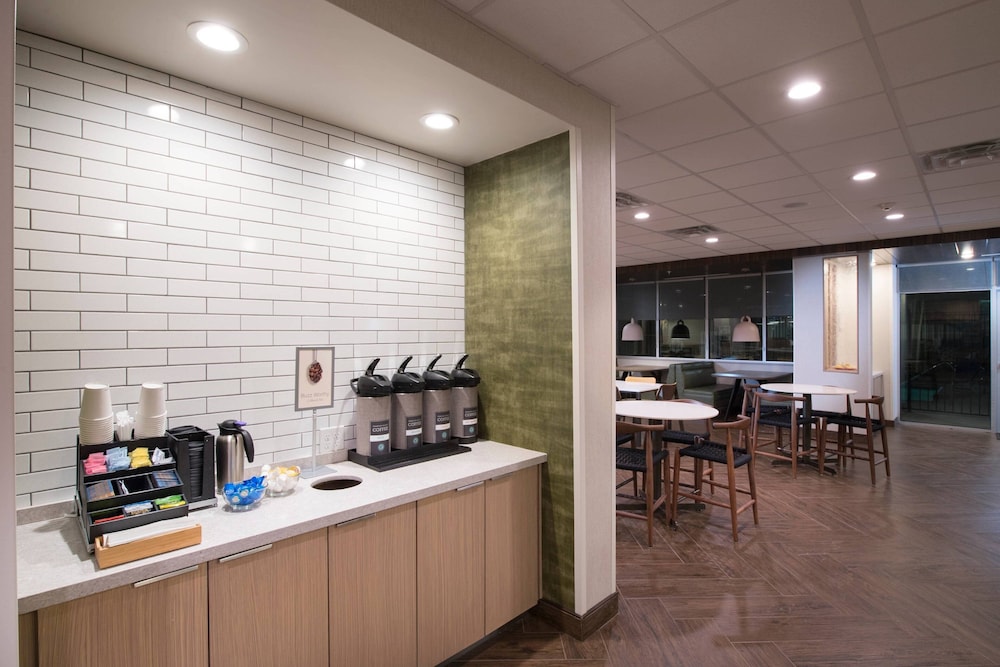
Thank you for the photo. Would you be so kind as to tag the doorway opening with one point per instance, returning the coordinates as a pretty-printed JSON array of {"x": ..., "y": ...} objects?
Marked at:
[{"x": 945, "y": 353}]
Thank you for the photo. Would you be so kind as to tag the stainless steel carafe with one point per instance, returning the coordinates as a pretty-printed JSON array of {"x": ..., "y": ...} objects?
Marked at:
[
  {"x": 464, "y": 403},
  {"x": 230, "y": 446},
  {"x": 406, "y": 429},
  {"x": 372, "y": 430},
  {"x": 436, "y": 405}
]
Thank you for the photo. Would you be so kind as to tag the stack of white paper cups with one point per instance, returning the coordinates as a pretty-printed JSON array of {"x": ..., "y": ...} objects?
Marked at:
[
  {"x": 151, "y": 415},
  {"x": 96, "y": 415}
]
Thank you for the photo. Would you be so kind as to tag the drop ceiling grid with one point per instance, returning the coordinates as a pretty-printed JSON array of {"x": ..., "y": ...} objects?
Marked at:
[{"x": 705, "y": 133}]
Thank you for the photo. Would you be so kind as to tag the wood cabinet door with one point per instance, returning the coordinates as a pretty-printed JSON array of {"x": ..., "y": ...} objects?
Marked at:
[
  {"x": 512, "y": 546},
  {"x": 269, "y": 604},
  {"x": 160, "y": 622},
  {"x": 450, "y": 561},
  {"x": 373, "y": 589}
]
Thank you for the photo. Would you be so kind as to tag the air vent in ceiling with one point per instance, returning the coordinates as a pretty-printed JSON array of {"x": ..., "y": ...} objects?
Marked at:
[
  {"x": 688, "y": 232},
  {"x": 626, "y": 200},
  {"x": 956, "y": 157}
]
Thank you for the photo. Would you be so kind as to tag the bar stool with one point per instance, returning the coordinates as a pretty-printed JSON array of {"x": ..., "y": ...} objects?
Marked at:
[{"x": 846, "y": 440}]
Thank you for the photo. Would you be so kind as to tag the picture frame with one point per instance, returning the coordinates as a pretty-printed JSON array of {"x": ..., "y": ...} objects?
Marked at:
[{"x": 314, "y": 368}]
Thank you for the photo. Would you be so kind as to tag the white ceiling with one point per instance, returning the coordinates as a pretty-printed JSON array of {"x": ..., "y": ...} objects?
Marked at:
[{"x": 705, "y": 133}]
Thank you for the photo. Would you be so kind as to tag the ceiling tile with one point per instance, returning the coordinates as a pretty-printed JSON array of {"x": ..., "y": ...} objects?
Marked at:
[
  {"x": 683, "y": 122},
  {"x": 823, "y": 126},
  {"x": 852, "y": 151},
  {"x": 811, "y": 214},
  {"x": 704, "y": 203},
  {"x": 885, "y": 191},
  {"x": 872, "y": 209},
  {"x": 626, "y": 149},
  {"x": 751, "y": 224},
  {"x": 956, "y": 131},
  {"x": 750, "y": 36},
  {"x": 778, "y": 205},
  {"x": 886, "y": 14},
  {"x": 726, "y": 214},
  {"x": 661, "y": 15},
  {"x": 951, "y": 95},
  {"x": 783, "y": 189},
  {"x": 644, "y": 170},
  {"x": 758, "y": 171},
  {"x": 967, "y": 220},
  {"x": 845, "y": 73},
  {"x": 965, "y": 176},
  {"x": 840, "y": 178},
  {"x": 813, "y": 226},
  {"x": 983, "y": 204},
  {"x": 976, "y": 191},
  {"x": 723, "y": 151},
  {"x": 951, "y": 42},
  {"x": 563, "y": 33},
  {"x": 678, "y": 188},
  {"x": 639, "y": 78},
  {"x": 666, "y": 224}
]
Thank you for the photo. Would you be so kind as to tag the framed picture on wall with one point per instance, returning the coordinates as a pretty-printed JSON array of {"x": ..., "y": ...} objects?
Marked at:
[{"x": 313, "y": 377}]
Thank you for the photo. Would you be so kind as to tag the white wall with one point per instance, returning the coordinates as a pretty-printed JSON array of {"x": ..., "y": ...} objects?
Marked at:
[
  {"x": 885, "y": 341},
  {"x": 808, "y": 309},
  {"x": 201, "y": 250}
]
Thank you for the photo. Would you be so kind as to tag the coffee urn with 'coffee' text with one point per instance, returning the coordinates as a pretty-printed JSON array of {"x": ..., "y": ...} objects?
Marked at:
[
  {"x": 464, "y": 403},
  {"x": 407, "y": 408},
  {"x": 372, "y": 412},
  {"x": 437, "y": 405}
]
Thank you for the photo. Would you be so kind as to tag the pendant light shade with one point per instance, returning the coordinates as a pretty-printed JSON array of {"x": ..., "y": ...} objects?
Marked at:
[
  {"x": 746, "y": 331},
  {"x": 632, "y": 331},
  {"x": 680, "y": 330}
]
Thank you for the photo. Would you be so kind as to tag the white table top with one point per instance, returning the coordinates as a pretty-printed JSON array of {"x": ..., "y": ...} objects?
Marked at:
[
  {"x": 665, "y": 410},
  {"x": 636, "y": 387},
  {"x": 810, "y": 389},
  {"x": 638, "y": 368}
]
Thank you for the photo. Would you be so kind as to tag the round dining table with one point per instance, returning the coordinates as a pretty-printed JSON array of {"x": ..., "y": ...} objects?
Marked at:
[
  {"x": 636, "y": 388},
  {"x": 807, "y": 391}
]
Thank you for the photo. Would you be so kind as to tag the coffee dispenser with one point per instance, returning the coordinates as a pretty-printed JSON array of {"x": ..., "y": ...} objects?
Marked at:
[
  {"x": 407, "y": 408},
  {"x": 436, "y": 405},
  {"x": 372, "y": 430},
  {"x": 465, "y": 403}
]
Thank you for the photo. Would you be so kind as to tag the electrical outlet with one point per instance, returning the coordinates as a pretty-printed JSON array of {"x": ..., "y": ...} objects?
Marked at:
[
  {"x": 326, "y": 439},
  {"x": 331, "y": 439}
]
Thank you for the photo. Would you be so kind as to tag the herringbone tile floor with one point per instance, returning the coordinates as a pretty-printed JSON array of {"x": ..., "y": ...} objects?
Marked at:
[{"x": 838, "y": 572}]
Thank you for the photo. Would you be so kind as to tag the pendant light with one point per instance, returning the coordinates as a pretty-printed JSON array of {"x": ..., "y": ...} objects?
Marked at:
[
  {"x": 680, "y": 330},
  {"x": 632, "y": 331},
  {"x": 746, "y": 331}
]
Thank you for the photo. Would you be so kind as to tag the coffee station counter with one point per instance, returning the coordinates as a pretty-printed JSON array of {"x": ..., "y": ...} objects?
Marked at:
[{"x": 54, "y": 565}]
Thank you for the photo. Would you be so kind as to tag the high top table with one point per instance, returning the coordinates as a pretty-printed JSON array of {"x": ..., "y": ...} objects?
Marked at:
[
  {"x": 807, "y": 391},
  {"x": 637, "y": 388}
]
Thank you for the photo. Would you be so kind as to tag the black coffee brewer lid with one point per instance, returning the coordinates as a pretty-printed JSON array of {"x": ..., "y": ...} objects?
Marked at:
[
  {"x": 435, "y": 378},
  {"x": 464, "y": 377},
  {"x": 370, "y": 385},
  {"x": 406, "y": 382}
]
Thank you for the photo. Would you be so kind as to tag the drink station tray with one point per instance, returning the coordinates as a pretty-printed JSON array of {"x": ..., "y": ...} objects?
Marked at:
[{"x": 397, "y": 458}]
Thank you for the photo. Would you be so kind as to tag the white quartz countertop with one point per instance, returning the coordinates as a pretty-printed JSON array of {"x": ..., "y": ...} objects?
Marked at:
[{"x": 53, "y": 564}]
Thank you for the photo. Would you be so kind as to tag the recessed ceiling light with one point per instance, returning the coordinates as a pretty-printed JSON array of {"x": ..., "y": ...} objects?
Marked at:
[
  {"x": 642, "y": 215},
  {"x": 804, "y": 89},
  {"x": 894, "y": 216},
  {"x": 217, "y": 37},
  {"x": 712, "y": 239},
  {"x": 439, "y": 121},
  {"x": 865, "y": 175}
]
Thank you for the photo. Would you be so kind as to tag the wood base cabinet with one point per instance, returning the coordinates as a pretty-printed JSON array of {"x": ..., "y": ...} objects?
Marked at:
[
  {"x": 160, "y": 622},
  {"x": 373, "y": 589},
  {"x": 513, "y": 552},
  {"x": 268, "y": 605}
]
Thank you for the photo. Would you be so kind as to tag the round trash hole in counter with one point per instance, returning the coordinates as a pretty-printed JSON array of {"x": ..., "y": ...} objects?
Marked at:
[{"x": 335, "y": 483}]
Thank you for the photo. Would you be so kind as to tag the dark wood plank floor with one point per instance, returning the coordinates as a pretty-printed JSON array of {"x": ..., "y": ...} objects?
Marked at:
[{"x": 838, "y": 572}]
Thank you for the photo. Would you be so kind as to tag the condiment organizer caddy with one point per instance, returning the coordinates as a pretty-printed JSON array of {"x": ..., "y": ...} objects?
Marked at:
[{"x": 140, "y": 484}]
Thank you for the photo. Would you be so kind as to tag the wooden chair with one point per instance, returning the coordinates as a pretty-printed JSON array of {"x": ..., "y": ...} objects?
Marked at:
[
  {"x": 641, "y": 378},
  {"x": 847, "y": 440},
  {"x": 733, "y": 456},
  {"x": 642, "y": 458},
  {"x": 782, "y": 412},
  {"x": 667, "y": 391}
]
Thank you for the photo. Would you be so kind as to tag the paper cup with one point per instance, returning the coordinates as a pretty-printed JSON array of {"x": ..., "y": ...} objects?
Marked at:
[
  {"x": 152, "y": 399},
  {"x": 95, "y": 402},
  {"x": 96, "y": 431},
  {"x": 150, "y": 427}
]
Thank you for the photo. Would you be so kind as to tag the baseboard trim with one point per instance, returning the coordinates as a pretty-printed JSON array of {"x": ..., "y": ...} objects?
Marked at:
[{"x": 576, "y": 626}]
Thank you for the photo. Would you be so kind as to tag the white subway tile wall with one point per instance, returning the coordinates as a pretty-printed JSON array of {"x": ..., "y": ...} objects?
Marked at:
[{"x": 170, "y": 232}]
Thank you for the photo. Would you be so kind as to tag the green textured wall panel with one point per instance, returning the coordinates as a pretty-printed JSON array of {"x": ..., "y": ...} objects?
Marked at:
[{"x": 518, "y": 325}]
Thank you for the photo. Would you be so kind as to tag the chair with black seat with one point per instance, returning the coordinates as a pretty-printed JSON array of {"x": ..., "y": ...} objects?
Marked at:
[
  {"x": 783, "y": 412},
  {"x": 682, "y": 436},
  {"x": 848, "y": 440},
  {"x": 642, "y": 458},
  {"x": 731, "y": 454}
]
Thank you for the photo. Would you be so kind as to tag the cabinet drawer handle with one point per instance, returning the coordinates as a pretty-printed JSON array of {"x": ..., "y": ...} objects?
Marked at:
[
  {"x": 468, "y": 486},
  {"x": 168, "y": 575},
  {"x": 248, "y": 552},
  {"x": 355, "y": 520}
]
